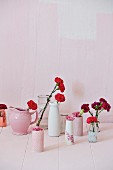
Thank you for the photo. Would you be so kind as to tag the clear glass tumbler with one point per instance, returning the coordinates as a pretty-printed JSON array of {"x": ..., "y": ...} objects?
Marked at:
[{"x": 42, "y": 99}]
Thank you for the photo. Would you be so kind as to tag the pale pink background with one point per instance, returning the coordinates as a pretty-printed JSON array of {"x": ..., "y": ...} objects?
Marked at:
[{"x": 41, "y": 39}]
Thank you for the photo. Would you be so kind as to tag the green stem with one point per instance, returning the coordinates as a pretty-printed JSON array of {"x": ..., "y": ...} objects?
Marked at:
[
  {"x": 90, "y": 113},
  {"x": 100, "y": 111},
  {"x": 93, "y": 127},
  {"x": 48, "y": 100},
  {"x": 97, "y": 114}
]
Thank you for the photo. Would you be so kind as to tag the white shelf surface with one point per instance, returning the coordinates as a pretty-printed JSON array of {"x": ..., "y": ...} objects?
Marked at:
[{"x": 16, "y": 154}]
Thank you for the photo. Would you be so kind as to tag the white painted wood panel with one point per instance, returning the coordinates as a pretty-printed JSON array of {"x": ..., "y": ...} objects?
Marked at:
[
  {"x": 15, "y": 152},
  {"x": 77, "y": 156},
  {"x": 47, "y": 160},
  {"x": 102, "y": 151},
  {"x": 12, "y": 149},
  {"x": 42, "y": 39}
]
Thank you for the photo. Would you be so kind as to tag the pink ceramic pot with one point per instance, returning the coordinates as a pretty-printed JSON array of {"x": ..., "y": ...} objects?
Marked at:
[
  {"x": 20, "y": 120},
  {"x": 38, "y": 140},
  {"x": 78, "y": 126}
]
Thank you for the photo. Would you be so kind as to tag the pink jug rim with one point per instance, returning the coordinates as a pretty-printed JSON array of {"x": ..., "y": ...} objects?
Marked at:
[{"x": 18, "y": 109}]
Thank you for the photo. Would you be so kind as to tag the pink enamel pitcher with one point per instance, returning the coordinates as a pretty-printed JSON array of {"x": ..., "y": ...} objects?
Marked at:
[{"x": 20, "y": 120}]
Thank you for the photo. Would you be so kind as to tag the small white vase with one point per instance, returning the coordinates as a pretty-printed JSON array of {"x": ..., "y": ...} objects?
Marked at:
[
  {"x": 54, "y": 119},
  {"x": 69, "y": 138}
]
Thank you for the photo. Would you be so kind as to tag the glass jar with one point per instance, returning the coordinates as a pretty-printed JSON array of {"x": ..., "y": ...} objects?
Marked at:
[
  {"x": 42, "y": 100},
  {"x": 92, "y": 133}
]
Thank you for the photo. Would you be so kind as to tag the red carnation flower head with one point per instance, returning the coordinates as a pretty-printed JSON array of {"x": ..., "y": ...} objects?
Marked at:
[
  {"x": 60, "y": 84},
  {"x": 61, "y": 87},
  {"x": 32, "y": 105},
  {"x": 59, "y": 80},
  {"x": 85, "y": 107},
  {"x": 60, "y": 97},
  {"x": 3, "y": 106},
  {"x": 92, "y": 119},
  {"x": 102, "y": 100},
  {"x": 96, "y": 105},
  {"x": 106, "y": 106}
]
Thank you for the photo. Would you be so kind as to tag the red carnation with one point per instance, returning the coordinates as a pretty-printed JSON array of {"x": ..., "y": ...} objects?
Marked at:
[
  {"x": 106, "y": 106},
  {"x": 91, "y": 119},
  {"x": 85, "y": 107},
  {"x": 60, "y": 97},
  {"x": 58, "y": 80},
  {"x": 96, "y": 105},
  {"x": 102, "y": 100},
  {"x": 32, "y": 105},
  {"x": 61, "y": 87},
  {"x": 3, "y": 106}
]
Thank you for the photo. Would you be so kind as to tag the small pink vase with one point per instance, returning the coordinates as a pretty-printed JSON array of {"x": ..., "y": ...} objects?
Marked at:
[
  {"x": 38, "y": 140},
  {"x": 78, "y": 126},
  {"x": 20, "y": 120}
]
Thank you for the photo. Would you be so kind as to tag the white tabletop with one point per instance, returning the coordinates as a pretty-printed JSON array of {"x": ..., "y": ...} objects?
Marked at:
[{"x": 15, "y": 152}]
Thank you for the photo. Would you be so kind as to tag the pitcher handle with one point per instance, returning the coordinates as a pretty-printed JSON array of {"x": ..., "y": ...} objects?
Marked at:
[{"x": 36, "y": 118}]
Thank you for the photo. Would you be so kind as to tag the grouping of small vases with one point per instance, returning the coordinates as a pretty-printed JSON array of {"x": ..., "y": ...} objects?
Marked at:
[
  {"x": 20, "y": 119},
  {"x": 98, "y": 107},
  {"x": 74, "y": 127},
  {"x": 53, "y": 118}
]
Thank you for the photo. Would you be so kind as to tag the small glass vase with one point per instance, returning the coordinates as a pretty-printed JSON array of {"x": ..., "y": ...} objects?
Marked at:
[
  {"x": 92, "y": 133},
  {"x": 42, "y": 100}
]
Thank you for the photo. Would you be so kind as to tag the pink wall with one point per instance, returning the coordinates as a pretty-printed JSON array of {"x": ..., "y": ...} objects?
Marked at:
[{"x": 43, "y": 39}]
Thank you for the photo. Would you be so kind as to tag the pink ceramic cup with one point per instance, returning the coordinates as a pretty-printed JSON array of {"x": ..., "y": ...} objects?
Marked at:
[
  {"x": 78, "y": 126},
  {"x": 37, "y": 140}
]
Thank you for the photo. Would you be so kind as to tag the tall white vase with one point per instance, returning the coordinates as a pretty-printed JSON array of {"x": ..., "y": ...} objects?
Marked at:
[{"x": 54, "y": 119}]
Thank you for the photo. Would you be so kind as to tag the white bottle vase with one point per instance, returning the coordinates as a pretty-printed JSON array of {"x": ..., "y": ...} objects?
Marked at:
[
  {"x": 69, "y": 138},
  {"x": 54, "y": 119}
]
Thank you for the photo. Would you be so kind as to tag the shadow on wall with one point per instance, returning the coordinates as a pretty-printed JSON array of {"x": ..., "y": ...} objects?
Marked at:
[
  {"x": 74, "y": 98},
  {"x": 78, "y": 89}
]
